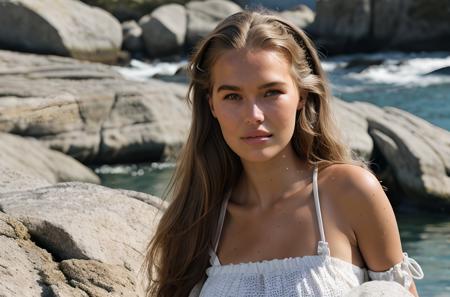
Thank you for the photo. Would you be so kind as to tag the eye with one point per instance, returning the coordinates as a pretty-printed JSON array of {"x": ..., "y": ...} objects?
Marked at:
[
  {"x": 270, "y": 93},
  {"x": 232, "y": 96}
]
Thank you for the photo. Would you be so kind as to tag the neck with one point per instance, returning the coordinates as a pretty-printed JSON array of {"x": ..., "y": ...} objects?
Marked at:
[{"x": 263, "y": 184}]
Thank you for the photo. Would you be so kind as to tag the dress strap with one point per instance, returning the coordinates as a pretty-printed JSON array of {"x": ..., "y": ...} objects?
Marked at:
[
  {"x": 322, "y": 246},
  {"x": 223, "y": 210}
]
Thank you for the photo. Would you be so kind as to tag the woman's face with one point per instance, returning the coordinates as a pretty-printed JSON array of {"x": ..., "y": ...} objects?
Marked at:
[{"x": 255, "y": 99}]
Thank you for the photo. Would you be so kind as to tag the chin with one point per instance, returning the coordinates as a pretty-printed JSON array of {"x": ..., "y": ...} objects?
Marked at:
[{"x": 258, "y": 156}]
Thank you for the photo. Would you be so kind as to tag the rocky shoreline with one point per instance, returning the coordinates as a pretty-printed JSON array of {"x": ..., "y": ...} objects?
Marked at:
[
  {"x": 61, "y": 233},
  {"x": 100, "y": 117},
  {"x": 64, "y": 237}
]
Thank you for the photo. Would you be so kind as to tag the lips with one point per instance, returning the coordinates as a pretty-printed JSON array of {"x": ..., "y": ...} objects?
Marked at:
[{"x": 256, "y": 135}]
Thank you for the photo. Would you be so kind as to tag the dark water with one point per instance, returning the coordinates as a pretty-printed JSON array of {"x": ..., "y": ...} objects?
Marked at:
[{"x": 425, "y": 237}]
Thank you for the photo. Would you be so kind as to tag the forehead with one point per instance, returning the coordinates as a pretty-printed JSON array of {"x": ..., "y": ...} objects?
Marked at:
[{"x": 246, "y": 66}]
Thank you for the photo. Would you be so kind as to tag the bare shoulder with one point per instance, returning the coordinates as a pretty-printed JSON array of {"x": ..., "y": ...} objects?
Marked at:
[
  {"x": 361, "y": 200},
  {"x": 354, "y": 182}
]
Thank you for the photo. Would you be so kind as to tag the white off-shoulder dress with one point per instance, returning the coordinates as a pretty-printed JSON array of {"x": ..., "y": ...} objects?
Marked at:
[{"x": 318, "y": 275}]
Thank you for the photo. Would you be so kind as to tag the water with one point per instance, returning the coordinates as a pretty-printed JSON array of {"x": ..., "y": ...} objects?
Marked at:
[
  {"x": 391, "y": 79},
  {"x": 395, "y": 79},
  {"x": 148, "y": 178},
  {"x": 426, "y": 238}
]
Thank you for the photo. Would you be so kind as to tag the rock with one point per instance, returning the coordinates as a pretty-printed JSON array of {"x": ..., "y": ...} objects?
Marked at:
[
  {"x": 360, "y": 64},
  {"x": 410, "y": 25},
  {"x": 440, "y": 71},
  {"x": 130, "y": 9},
  {"x": 132, "y": 37},
  {"x": 37, "y": 165},
  {"x": 23, "y": 262},
  {"x": 204, "y": 16},
  {"x": 379, "y": 289},
  {"x": 302, "y": 16},
  {"x": 100, "y": 279},
  {"x": 96, "y": 118},
  {"x": 15, "y": 268},
  {"x": 52, "y": 67},
  {"x": 279, "y": 4},
  {"x": 164, "y": 30},
  {"x": 354, "y": 127},
  {"x": 63, "y": 27},
  {"x": 419, "y": 154},
  {"x": 86, "y": 222},
  {"x": 341, "y": 23},
  {"x": 13, "y": 180}
]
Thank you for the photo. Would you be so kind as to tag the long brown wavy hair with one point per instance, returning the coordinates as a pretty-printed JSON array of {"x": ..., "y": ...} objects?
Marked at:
[{"x": 207, "y": 168}]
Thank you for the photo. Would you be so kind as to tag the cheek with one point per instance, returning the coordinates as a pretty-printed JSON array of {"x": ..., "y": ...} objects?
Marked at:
[
  {"x": 284, "y": 115},
  {"x": 226, "y": 116}
]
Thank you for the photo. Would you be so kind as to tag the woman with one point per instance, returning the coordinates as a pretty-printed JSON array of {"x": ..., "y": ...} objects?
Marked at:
[{"x": 246, "y": 217}]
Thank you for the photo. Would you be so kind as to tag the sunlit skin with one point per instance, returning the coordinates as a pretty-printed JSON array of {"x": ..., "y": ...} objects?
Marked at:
[
  {"x": 271, "y": 212},
  {"x": 254, "y": 95}
]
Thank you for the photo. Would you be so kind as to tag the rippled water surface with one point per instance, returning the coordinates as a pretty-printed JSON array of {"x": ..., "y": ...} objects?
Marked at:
[{"x": 397, "y": 79}]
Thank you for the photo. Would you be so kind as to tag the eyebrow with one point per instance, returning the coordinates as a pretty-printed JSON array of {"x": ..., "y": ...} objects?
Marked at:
[{"x": 236, "y": 88}]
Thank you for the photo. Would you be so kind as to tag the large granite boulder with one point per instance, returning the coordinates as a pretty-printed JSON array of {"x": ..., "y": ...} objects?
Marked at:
[
  {"x": 61, "y": 27},
  {"x": 302, "y": 16},
  {"x": 203, "y": 17},
  {"x": 33, "y": 159},
  {"x": 164, "y": 30},
  {"x": 353, "y": 125},
  {"x": 132, "y": 37},
  {"x": 86, "y": 221},
  {"x": 412, "y": 24},
  {"x": 130, "y": 9},
  {"x": 413, "y": 155},
  {"x": 15, "y": 267},
  {"x": 25, "y": 261},
  {"x": 341, "y": 25},
  {"x": 89, "y": 111},
  {"x": 416, "y": 153},
  {"x": 75, "y": 240},
  {"x": 419, "y": 154}
]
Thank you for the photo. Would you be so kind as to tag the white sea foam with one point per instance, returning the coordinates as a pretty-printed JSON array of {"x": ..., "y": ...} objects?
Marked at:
[
  {"x": 329, "y": 66},
  {"x": 141, "y": 71},
  {"x": 397, "y": 68},
  {"x": 403, "y": 69},
  {"x": 134, "y": 169}
]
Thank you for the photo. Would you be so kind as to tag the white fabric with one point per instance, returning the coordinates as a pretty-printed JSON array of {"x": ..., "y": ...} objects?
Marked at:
[
  {"x": 317, "y": 275},
  {"x": 402, "y": 273}
]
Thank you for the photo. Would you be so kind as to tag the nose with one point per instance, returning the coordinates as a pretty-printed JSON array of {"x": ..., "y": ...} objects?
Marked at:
[{"x": 254, "y": 114}]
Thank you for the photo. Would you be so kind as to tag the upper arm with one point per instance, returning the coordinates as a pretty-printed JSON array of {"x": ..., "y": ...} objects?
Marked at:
[
  {"x": 371, "y": 217},
  {"x": 372, "y": 220}
]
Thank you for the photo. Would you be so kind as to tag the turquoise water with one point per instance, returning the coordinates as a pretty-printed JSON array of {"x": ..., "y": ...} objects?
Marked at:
[
  {"x": 392, "y": 79},
  {"x": 398, "y": 79},
  {"x": 426, "y": 237}
]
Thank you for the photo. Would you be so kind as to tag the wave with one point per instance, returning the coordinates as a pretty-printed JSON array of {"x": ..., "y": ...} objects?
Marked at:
[
  {"x": 133, "y": 170},
  {"x": 142, "y": 71},
  {"x": 401, "y": 69}
]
